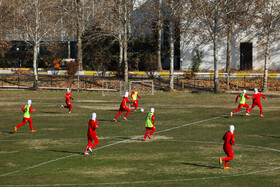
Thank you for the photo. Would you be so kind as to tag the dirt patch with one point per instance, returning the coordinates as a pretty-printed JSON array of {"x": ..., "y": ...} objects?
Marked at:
[
  {"x": 10, "y": 164},
  {"x": 8, "y": 152},
  {"x": 210, "y": 125},
  {"x": 52, "y": 129},
  {"x": 93, "y": 101},
  {"x": 105, "y": 171},
  {"x": 100, "y": 107}
]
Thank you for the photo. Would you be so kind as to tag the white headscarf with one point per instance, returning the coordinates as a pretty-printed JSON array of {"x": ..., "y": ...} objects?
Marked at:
[
  {"x": 256, "y": 90},
  {"x": 244, "y": 91},
  {"x": 29, "y": 102},
  {"x": 126, "y": 94},
  {"x": 152, "y": 110},
  {"x": 231, "y": 128},
  {"x": 93, "y": 117},
  {"x": 68, "y": 90}
]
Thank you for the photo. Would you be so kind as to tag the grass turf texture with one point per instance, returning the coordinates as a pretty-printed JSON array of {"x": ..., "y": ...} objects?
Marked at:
[{"x": 185, "y": 156}]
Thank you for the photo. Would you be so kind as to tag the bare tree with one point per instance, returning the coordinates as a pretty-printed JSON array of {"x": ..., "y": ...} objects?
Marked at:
[
  {"x": 208, "y": 15},
  {"x": 38, "y": 19},
  {"x": 116, "y": 19},
  {"x": 267, "y": 24}
]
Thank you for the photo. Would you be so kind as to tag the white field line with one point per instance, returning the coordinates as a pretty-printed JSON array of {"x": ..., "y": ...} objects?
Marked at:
[{"x": 109, "y": 145}]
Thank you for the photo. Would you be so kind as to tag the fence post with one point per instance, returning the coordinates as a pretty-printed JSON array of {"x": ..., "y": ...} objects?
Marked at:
[
  {"x": 183, "y": 84},
  {"x": 237, "y": 83},
  {"x": 18, "y": 80}
]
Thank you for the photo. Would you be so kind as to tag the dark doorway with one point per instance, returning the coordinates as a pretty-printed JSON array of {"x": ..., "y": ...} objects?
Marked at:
[{"x": 246, "y": 56}]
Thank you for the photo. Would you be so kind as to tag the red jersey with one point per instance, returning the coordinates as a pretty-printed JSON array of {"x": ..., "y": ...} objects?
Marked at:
[
  {"x": 92, "y": 126},
  {"x": 257, "y": 98},
  {"x": 228, "y": 140},
  {"x": 124, "y": 101},
  {"x": 68, "y": 97}
]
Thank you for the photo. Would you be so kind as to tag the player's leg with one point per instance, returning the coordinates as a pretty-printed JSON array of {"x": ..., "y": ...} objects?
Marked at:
[
  {"x": 128, "y": 111},
  {"x": 24, "y": 120},
  {"x": 96, "y": 141},
  {"x": 239, "y": 107},
  {"x": 88, "y": 145},
  {"x": 133, "y": 104},
  {"x": 247, "y": 107},
  {"x": 152, "y": 132},
  {"x": 70, "y": 108},
  {"x": 228, "y": 158},
  {"x": 31, "y": 124},
  {"x": 146, "y": 134},
  {"x": 118, "y": 114},
  {"x": 253, "y": 105},
  {"x": 261, "y": 109},
  {"x": 136, "y": 105}
]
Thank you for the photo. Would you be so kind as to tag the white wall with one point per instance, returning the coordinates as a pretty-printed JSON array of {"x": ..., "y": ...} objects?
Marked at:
[{"x": 189, "y": 43}]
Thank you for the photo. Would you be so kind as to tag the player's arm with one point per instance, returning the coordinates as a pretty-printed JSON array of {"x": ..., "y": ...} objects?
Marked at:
[
  {"x": 138, "y": 96},
  {"x": 262, "y": 96},
  {"x": 128, "y": 100},
  {"x": 23, "y": 108},
  {"x": 95, "y": 125},
  {"x": 153, "y": 118},
  {"x": 246, "y": 96},
  {"x": 237, "y": 98},
  {"x": 31, "y": 110},
  {"x": 232, "y": 139}
]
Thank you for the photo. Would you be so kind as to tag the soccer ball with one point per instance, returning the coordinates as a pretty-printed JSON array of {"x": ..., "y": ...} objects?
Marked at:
[{"x": 142, "y": 110}]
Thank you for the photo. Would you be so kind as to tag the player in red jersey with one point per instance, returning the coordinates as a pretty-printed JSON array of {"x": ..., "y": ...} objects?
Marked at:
[
  {"x": 91, "y": 134},
  {"x": 257, "y": 101},
  {"x": 134, "y": 95},
  {"x": 228, "y": 142},
  {"x": 243, "y": 96},
  {"x": 27, "y": 109},
  {"x": 123, "y": 107},
  {"x": 68, "y": 98}
]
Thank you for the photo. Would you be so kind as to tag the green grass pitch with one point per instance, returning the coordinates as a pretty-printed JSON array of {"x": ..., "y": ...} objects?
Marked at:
[{"x": 183, "y": 152}]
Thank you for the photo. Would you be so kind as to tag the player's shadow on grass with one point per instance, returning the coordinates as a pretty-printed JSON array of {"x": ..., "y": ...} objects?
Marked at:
[
  {"x": 106, "y": 120},
  {"x": 72, "y": 152},
  {"x": 200, "y": 165},
  {"x": 7, "y": 132}
]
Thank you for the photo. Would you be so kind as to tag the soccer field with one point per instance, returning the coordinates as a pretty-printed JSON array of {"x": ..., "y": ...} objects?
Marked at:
[{"x": 184, "y": 151}]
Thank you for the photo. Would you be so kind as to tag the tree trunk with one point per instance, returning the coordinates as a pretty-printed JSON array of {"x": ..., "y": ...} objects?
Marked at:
[
  {"x": 35, "y": 64},
  {"x": 36, "y": 44},
  {"x": 171, "y": 30},
  {"x": 121, "y": 52},
  {"x": 79, "y": 36},
  {"x": 216, "y": 69},
  {"x": 125, "y": 48},
  {"x": 229, "y": 30},
  {"x": 265, "y": 75},
  {"x": 68, "y": 47},
  {"x": 159, "y": 66}
]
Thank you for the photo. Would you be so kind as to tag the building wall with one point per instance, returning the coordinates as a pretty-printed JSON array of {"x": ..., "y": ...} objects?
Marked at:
[{"x": 188, "y": 44}]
